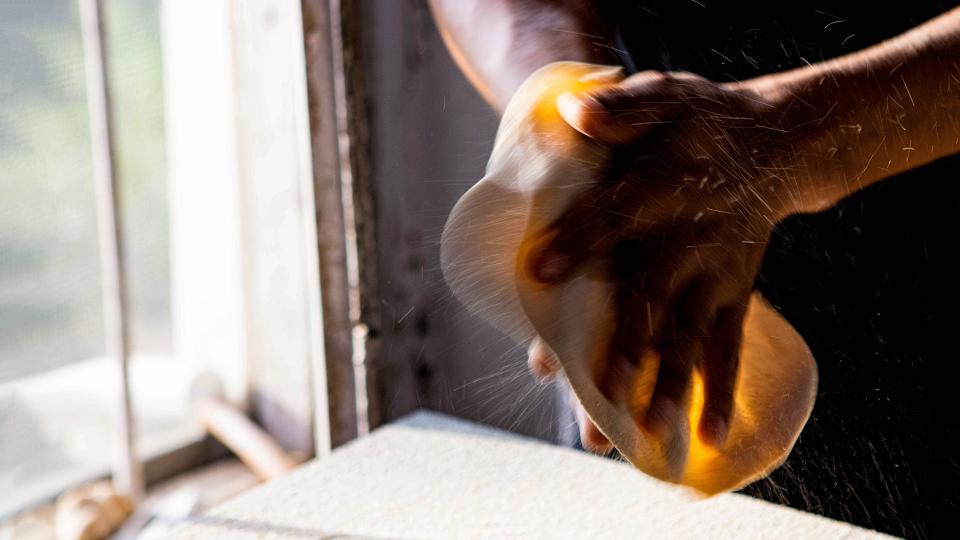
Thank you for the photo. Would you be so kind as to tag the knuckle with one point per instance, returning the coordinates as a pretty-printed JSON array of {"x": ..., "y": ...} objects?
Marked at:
[{"x": 650, "y": 78}]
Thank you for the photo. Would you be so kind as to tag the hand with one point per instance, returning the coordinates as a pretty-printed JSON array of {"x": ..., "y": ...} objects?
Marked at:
[{"x": 679, "y": 220}]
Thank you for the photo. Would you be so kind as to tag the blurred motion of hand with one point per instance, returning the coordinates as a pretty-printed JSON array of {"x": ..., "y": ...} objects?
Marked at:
[{"x": 679, "y": 219}]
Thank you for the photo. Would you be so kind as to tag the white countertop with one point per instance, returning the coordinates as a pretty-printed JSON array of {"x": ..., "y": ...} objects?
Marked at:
[{"x": 432, "y": 476}]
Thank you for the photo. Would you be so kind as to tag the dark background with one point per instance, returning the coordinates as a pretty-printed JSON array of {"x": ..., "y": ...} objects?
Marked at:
[{"x": 871, "y": 284}]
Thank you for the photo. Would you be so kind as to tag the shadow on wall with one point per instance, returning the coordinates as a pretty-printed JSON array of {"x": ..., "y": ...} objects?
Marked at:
[{"x": 430, "y": 136}]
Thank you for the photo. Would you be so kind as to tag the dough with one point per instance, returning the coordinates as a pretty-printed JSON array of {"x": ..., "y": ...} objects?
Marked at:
[{"x": 537, "y": 166}]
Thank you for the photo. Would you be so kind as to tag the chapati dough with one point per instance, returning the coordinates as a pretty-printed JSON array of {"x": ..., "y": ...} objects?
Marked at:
[{"x": 538, "y": 165}]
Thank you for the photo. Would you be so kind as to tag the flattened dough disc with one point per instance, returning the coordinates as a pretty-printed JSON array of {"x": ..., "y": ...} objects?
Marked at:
[{"x": 538, "y": 165}]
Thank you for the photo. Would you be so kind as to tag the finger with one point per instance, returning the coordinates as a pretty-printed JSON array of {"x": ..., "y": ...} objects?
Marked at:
[
  {"x": 637, "y": 333},
  {"x": 683, "y": 348},
  {"x": 621, "y": 113},
  {"x": 673, "y": 377},
  {"x": 588, "y": 229},
  {"x": 541, "y": 360},
  {"x": 646, "y": 280},
  {"x": 591, "y": 437},
  {"x": 720, "y": 366},
  {"x": 613, "y": 375},
  {"x": 639, "y": 306}
]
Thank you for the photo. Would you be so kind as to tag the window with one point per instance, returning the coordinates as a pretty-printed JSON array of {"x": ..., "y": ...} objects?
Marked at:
[
  {"x": 58, "y": 389},
  {"x": 250, "y": 249},
  {"x": 225, "y": 180},
  {"x": 56, "y": 393}
]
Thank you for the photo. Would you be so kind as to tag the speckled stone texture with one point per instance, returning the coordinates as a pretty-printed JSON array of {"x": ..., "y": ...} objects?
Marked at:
[{"x": 431, "y": 476}]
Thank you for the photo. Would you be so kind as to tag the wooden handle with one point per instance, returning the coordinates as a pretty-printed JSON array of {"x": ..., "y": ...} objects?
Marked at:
[{"x": 255, "y": 448}]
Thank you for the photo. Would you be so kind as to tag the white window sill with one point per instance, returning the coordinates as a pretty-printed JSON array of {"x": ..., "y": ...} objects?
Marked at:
[{"x": 56, "y": 425}]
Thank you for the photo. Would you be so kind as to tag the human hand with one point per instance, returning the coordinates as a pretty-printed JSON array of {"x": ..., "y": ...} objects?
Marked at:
[{"x": 679, "y": 220}]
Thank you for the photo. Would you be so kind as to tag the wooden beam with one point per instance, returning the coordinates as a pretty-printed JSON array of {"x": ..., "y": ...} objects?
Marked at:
[
  {"x": 127, "y": 468},
  {"x": 335, "y": 184},
  {"x": 285, "y": 341}
]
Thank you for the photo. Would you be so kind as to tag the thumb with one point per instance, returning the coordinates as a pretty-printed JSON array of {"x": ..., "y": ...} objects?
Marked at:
[
  {"x": 588, "y": 229},
  {"x": 622, "y": 113}
]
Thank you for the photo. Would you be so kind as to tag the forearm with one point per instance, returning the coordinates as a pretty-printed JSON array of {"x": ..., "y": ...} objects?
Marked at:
[
  {"x": 872, "y": 114},
  {"x": 499, "y": 43}
]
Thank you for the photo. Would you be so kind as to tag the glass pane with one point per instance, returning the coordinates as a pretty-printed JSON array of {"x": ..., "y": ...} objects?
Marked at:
[
  {"x": 159, "y": 382},
  {"x": 56, "y": 389},
  {"x": 137, "y": 91},
  {"x": 49, "y": 285},
  {"x": 50, "y": 312}
]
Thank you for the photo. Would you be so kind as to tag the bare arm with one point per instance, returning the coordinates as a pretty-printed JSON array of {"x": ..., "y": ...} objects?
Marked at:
[
  {"x": 717, "y": 165},
  {"x": 499, "y": 43},
  {"x": 872, "y": 114}
]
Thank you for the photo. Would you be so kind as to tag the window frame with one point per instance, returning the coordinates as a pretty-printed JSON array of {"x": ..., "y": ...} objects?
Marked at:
[{"x": 297, "y": 379}]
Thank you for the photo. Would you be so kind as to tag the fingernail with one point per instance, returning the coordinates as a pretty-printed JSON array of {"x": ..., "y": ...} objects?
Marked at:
[
  {"x": 713, "y": 430},
  {"x": 662, "y": 417},
  {"x": 584, "y": 113},
  {"x": 576, "y": 108}
]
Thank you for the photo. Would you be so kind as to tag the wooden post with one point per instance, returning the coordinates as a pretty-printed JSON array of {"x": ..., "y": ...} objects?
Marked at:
[
  {"x": 337, "y": 241},
  {"x": 359, "y": 329},
  {"x": 127, "y": 469}
]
